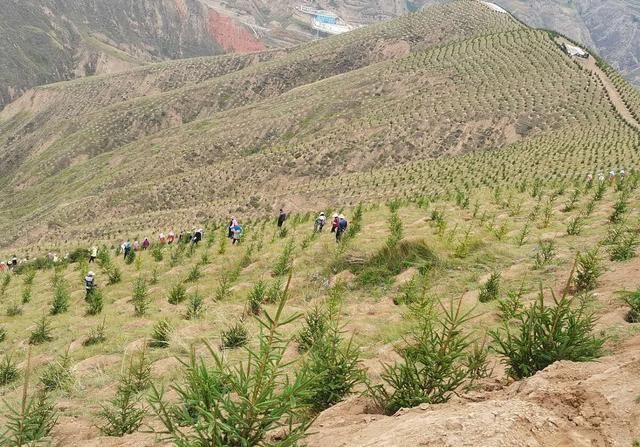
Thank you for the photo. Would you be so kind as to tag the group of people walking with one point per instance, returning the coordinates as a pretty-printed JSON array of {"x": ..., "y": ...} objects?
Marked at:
[{"x": 339, "y": 224}]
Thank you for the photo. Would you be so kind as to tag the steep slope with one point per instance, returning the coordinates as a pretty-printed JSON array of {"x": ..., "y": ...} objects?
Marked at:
[
  {"x": 611, "y": 28},
  {"x": 407, "y": 105},
  {"x": 44, "y": 41},
  {"x": 568, "y": 404}
]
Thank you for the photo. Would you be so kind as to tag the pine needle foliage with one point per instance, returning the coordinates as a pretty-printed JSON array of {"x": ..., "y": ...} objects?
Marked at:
[
  {"x": 491, "y": 289},
  {"x": 434, "y": 361},
  {"x": 588, "y": 270},
  {"x": 9, "y": 372},
  {"x": 140, "y": 298},
  {"x": 258, "y": 397},
  {"x": 31, "y": 421},
  {"x": 545, "y": 334},
  {"x": 161, "y": 334},
  {"x": 632, "y": 299},
  {"x": 41, "y": 333}
]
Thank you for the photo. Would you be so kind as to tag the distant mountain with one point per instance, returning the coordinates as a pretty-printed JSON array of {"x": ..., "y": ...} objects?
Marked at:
[
  {"x": 610, "y": 27},
  {"x": 44, "y": 41},
  {"x": 457, "y": 93}
]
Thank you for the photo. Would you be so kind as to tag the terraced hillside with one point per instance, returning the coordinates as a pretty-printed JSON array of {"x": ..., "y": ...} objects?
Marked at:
[
  {"x": 455, "y": 95},
  {"x": 495, "y": 248}
]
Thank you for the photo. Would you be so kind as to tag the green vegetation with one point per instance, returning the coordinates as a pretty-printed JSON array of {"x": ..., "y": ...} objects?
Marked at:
[{"x": 545, "y": 334}]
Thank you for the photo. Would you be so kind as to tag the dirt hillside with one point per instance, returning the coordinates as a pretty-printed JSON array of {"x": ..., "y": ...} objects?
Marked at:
[{"x": 568, "y": 404}]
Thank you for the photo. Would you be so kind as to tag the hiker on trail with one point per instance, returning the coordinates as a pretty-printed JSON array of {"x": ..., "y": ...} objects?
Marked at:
[
  {"x": 612, "y": 176},
  {"x": 93, "y": 254},
  {"x": 89, "y": 283},
  {"x": 590, "y": 178},
  {"x": 197, "y": 236},
  {"x": 126, "y": 248},
  {"x": 600, "y": 177},
  {"x": 319, "y": 223},
  {"x": 145, "y": 243},
  {"x": 136, "y": 245},
  {"x": 171, "y": 237},
  {"x": 162, "y": 238},
  {"x": 281, "y": 218},
  {"x": 233, "y": 223},
  {"x": 236, "y": 233},
  {"x": 342, "y": 227},
  {"x": 622, "y": 174},
  {"x": 335, "y": 222},
  {"x": 14, "y": 262}
]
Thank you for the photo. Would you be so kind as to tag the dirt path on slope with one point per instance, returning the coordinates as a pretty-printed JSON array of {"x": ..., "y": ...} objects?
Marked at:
[{"x": 615, "y": 98}]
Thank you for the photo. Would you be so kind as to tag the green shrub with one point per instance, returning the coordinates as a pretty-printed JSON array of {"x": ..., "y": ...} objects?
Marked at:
[
  {"x": 332, "y": 367},
  {"x": 521, "y": 239},
  {"x": 241, "y": 403},
  {"x": 315, "y": 327},
  {"x": 8, "y": 370},
  {"x": 155, "y": 276},
  {"x": 177, "y": 294},
  {"x": 95, "y": 302},
  {"x": 194, "y": 274},
  {"x": 235, "y": 337},
  {"x": 620, "y": 208},
  {"x": 511, "y": 306},
  {"x": 224, "y": 288},
  {"x": 26, "y": 294},
  {"x": 633, "y": 301},
  {"x": 161, "y": 334},
  {"x": 574, "y": 227},
  {"x": 29, "y": 422},
  {"x": 137, "y": 376},
  {"x": 61, "y": 298},
  {"x": 545, "y": 253},
  {"x": 125, "y": 413},
  {"x": 395, "y": 229},
  {"x": 588, "y": 270},
  {"x": 625, "y": 247},
  {"x": 195, "y": 306},
  {"x": 114, "y": 275},
  {"x": 156, "y": 252},
  {"x": 29, "y": 277},
  {"x": 140, "y": 298},
  {"x": 434, "y": 363},
  {"x": 491, "y": 289},
  {"x": 256, "y": 297},
  {"x": 274, "y": 292},
  {"x": 391, "y": 261},
  {"x": 284, "y": 262},
  {"x": 14, "y": 309},
  {"x": 412, "y": 291},
  {"x": 96, "y": 335},
  {"x": 5, "y": 280},
  {"x": 41, "y": 333},
  {"x": 546, "y": 334},
  {"x": 131, "y": 257},
  {"x": 57, "y": 375},
  {"x": 78, "y": 255},
  {"x": 202, "y": 385}
]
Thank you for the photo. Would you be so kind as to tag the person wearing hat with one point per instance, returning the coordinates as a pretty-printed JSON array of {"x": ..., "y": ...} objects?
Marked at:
[
  {"x": 319, "y": 224},
  {"x": 89, "y": 283},
  {"x": 342, "y": 227}
]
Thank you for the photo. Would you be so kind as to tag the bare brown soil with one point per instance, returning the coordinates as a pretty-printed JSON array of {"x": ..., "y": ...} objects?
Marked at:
[{"x": 568, "y": 404}]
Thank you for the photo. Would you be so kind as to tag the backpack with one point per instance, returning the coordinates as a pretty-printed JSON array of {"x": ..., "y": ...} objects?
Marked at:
[{"x": 343, "y": 224}]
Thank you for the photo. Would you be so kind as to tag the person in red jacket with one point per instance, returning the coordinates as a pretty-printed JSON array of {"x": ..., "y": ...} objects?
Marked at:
[{"x": 335, "y": 223}]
